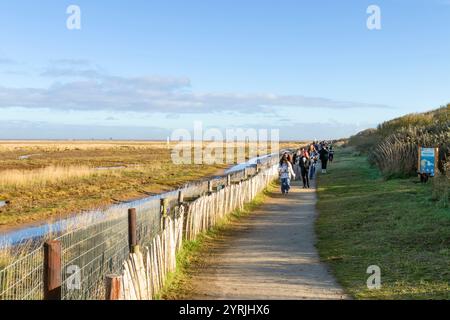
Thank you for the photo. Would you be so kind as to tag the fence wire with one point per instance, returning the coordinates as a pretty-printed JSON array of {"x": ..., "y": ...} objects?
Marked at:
[
  {"x": 148, "y": 222},
  {"x": 91, "y": 252},
  {"x": 23, "y": 279}
]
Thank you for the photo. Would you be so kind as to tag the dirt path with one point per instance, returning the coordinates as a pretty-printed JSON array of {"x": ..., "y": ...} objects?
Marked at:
[{"x": 269, "y": 255}]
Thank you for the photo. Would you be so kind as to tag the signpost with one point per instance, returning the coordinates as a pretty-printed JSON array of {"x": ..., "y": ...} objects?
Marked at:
[{"x": 427, "y": 161}]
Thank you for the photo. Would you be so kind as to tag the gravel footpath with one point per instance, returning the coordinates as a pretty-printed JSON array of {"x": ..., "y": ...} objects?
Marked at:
[{"x": 269, "y": 255}]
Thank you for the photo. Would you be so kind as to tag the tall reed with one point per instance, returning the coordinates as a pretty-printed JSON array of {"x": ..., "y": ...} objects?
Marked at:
[
  {"x": 43, "y": 176},
  {"x": 396, "y": 156}
]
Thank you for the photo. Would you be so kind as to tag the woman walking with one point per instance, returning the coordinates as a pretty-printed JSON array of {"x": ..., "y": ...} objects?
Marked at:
[
  {"x": 286, "y": 156},
  {"x": 285, "y": 171},
  {"x": 313, "y": 156},
  {"x": 304, "y": 168}
]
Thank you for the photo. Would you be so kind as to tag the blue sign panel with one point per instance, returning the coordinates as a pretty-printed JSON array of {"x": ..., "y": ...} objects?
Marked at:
[{"x": 427, "y": 158}]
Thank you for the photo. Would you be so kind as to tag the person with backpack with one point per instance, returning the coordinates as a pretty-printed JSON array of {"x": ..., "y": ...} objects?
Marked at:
[{"x": 286, "y": 173}]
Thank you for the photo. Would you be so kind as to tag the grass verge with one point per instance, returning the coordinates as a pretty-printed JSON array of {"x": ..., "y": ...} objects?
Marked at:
[
  {"x": 177, "y": 283},
  {"x": 395, "y": 224}
]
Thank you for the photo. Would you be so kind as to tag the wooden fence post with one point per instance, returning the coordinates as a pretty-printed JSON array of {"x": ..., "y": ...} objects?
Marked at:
[
  {"x": 180, "y": 197},
  {"x": 132, "y": 234},
  {"x": 163, "y": 205},
  {"x": 229, "y": 180},
  {"x": 52, "y": 270},
  {"x": 210, "y": 188},
  {"x": 113, "y": 287},
  {"x": 163, "y": 210}
]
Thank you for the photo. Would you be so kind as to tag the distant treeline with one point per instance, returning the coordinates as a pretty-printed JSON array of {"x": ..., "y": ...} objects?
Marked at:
[{"x": 392, "y": 146}]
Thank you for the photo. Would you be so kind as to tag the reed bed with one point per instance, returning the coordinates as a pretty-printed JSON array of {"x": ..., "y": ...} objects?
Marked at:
[
  {"x": 134, "y": 170},
  {"x": 48, "y": 175},
  {"x": 52, "y": 146},
  {"x": 14, "y": 145},
  {"x": 393, "y": 147},
  {"x": 397, "y": 154}
]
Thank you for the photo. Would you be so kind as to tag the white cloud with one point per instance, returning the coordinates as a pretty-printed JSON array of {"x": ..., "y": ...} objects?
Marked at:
[
  {"x": 80, "y": 85},
  {"x": 150, "y": 94}
]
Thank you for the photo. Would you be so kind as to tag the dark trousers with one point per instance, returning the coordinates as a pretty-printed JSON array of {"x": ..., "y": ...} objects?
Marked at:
[
  {"x": 305, "y": 177},
  {"x": 324, "y": 164}
]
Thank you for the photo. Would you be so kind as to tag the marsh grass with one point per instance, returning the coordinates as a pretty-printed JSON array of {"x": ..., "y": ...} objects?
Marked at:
[
  {"x": 47, "y": 175},
  {"x": 9, "y": 254},
  {"x": 61, "y": 178}
]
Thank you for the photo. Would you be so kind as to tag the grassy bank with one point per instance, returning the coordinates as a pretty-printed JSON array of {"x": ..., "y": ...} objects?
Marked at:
[
  {"x": 365, "y": 220},
  {"x": 177, "y": 285}
]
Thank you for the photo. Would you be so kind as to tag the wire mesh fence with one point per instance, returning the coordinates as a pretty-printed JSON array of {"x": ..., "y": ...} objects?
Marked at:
[
  {"x": 23, "y": 279},
  {"x": 148, "y": 222},
  {"x": 89, "y": 254},
  {"x": 92, "y": 251}
]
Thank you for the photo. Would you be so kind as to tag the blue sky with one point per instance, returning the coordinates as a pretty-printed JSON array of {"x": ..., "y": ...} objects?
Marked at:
[{"x": 140, "y": 69}]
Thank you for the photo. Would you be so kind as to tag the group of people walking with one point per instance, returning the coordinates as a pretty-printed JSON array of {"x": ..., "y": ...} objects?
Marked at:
[{"x": 302, "y": 164}]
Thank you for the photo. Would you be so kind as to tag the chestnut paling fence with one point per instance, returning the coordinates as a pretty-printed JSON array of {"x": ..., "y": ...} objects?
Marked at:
[
  {"x": 145, "y": 269},
  {"x": 75, "y": 265}
]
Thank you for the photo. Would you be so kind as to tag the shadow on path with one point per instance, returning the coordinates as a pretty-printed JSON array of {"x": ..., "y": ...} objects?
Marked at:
[{"x": 269, "y": 255}]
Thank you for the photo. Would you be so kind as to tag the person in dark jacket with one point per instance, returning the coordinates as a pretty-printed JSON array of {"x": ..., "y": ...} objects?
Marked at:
[
  {"x": 323, "y": 156},
  {"x": 304, "y": 163}
]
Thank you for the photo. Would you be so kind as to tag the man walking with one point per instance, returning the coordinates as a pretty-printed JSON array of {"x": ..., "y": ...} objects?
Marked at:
[{"x": 323, "y": 156}]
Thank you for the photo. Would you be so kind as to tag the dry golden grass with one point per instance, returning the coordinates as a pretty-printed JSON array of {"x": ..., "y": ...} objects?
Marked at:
[
  {"x": 42, "y": 145},
  {"x": 60, "y": 178},
  {"x": 51, "y": 174}
]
